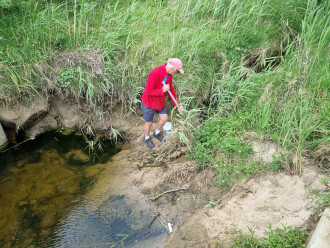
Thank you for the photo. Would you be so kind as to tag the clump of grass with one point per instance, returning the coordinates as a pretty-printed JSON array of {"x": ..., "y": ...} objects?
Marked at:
[
  {"x": 218, "y": 144},
  {"x": 291, "y": 237}
]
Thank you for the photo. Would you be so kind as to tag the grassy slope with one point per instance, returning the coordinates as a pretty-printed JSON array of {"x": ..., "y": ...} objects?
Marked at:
[{"x": 232, "y": 51}]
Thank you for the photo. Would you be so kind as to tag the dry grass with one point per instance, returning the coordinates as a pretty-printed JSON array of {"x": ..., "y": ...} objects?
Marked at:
[{"x": 322, "y": 156}]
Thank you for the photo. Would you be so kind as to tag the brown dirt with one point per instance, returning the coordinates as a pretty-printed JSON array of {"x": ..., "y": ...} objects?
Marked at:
[
  {"x": 270, "y": 198},
  {"x": 24, "y": 115},
  {"x": 91, "y": 59}
]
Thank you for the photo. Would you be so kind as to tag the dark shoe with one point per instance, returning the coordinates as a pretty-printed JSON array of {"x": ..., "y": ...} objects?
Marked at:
[
  {"x": 159, "y": 137},
  {"x": 149, "y": 143}
]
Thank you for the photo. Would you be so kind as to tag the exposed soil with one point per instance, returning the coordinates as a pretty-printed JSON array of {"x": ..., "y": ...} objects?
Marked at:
[
  {"x": 91, "y": 59},
  {"x": 274, "y": 199},
  {"x": 203, "y": 214}
]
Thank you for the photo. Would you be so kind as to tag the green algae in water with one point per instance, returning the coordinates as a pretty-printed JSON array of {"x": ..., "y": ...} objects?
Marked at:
[
  {"x": 75, "y": 159},
  {"x": 43, "y": 203},
  {"x": 40, "y": 182},
  {"x": 103, "y": 149}
]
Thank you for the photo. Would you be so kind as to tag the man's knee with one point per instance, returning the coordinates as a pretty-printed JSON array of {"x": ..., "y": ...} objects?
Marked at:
[{"x": 164, "y": 118}]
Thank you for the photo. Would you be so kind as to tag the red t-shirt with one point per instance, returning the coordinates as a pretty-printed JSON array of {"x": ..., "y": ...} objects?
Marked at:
[{"x": 153, "y": 96}]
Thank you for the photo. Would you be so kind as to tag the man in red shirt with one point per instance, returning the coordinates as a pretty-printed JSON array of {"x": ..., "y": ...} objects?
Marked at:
[{"x": 154, "y": 95}]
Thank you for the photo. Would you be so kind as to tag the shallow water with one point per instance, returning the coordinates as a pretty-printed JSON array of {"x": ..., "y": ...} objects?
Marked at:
[{"x": 43, "y": 184}]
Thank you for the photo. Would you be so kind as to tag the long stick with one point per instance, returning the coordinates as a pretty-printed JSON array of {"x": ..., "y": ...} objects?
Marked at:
[
  {"x": 170, "y": 93},
  {"x": 32, "y": 138},
  {"x": 169, "y": 191}
]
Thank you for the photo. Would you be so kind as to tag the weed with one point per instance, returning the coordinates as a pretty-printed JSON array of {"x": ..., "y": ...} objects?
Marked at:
[
  {"x": 217, "y": 144},
  {"x": 245, "y": 241},
  {"x": 320, "y": 200},
  {"x": 92, "y": 140},
  {"x": 212, "y": 203},
  {"x": 277, "y": 163},
  {"x": 67, "y": 76},
  {"x": 286, "y": 236},
  {"x": 186, "y": 125},
  {"x": 115, "y": 134}
]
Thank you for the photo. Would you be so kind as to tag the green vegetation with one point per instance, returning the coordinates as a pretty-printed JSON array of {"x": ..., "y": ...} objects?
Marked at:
[
  {"x": 259, "y": 66},
  {"x": 280, "y": 237},
  {"x": 320, "y": 200},
  {"x": 219, "y": 144}
]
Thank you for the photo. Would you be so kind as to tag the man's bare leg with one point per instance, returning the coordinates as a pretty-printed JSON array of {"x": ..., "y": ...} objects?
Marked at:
[
  {"x": 162, "y": 120},
  {"x": 147, "y": 126}
]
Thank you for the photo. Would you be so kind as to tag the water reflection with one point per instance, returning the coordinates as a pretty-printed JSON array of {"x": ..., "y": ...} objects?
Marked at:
[
  {"x": 113, "y": 224},
  {"x": 42, "y": 187}
]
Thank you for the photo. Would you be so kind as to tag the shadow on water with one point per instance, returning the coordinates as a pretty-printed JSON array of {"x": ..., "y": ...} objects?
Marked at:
[{"x": 42, "y": 187}]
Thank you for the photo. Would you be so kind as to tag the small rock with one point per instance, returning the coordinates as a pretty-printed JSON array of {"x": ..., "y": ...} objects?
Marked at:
[
  {"x": 3, "y": 139},
  {"x": 20, "y": 164},
  {"x": 135, "y": 164},
  {"x": 175, "y": 155},
  {"x": 184, "y": 149}
]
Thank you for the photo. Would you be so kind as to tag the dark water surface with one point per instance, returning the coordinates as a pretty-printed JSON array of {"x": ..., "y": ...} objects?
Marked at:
[{"x": 43, "y": 184}]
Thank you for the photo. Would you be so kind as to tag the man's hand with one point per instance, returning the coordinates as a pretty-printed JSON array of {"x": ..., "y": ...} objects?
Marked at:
[{"x": 166, "y": 87}]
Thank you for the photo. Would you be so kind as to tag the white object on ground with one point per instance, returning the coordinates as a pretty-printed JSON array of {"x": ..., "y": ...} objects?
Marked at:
[
  {"x": 168, "y": 127},
  {"x": 169, "y": 227},
  {"x": 321, "y": 235}
]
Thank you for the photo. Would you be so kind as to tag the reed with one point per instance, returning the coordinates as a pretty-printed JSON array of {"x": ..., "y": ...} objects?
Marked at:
[{"x": 231, "y": 52}]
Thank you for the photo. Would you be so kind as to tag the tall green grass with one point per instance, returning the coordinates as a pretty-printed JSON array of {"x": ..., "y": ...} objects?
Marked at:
[
  {"x": 134, "y": 36},
  {"x": 232, "y": 51}
]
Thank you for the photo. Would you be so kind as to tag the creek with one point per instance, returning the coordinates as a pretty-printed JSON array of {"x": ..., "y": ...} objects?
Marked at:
[{"x": 50, "y": 197}]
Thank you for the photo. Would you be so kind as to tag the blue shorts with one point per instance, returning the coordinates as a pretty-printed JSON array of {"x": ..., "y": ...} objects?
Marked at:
[{"x": 148, "y": 113}]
